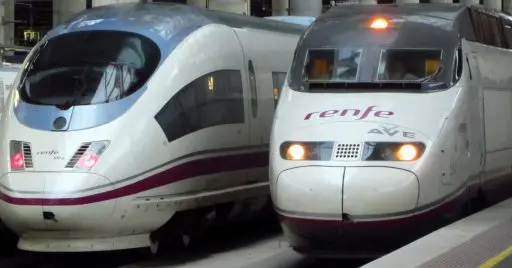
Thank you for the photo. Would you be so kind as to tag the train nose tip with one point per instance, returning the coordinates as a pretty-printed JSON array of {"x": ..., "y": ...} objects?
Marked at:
[{"x": 55, "y": 201}]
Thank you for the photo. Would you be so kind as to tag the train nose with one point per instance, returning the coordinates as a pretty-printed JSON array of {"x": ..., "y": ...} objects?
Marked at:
[
  {"x": 360, "y": 192},
  {"x": 54, "y": 201},
  {"x": 379, "y": 192}
]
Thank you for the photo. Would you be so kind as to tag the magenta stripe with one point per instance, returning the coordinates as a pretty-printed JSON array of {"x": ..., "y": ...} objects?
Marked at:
[{"x": 181, "y": 172}]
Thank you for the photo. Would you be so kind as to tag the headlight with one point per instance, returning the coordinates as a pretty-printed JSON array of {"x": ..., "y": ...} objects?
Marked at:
[
  {"x": 372, "y": 151},
  {"x": 319, "y": 151},
  {"x": 393, "y": 151}
]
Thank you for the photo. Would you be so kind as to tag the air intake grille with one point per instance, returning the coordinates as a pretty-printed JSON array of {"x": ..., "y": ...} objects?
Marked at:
[
  {"x": 27, "y": 155},
  {"x": 347, "y": 151},
  {"x": 72, "y": 162}
]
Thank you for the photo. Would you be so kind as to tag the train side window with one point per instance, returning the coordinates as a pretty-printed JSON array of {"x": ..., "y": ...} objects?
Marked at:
[
  {"x": 507, "y": 34},
  {"x": 487, "y": 29},
  {"x": 278, "y": 82},
  {"x": 254, "y": 90},
  {"x": 501, "y": 30},
  {"x": 478, "y": 25},
  {"x": 494, "y": 32},
  {"x": 211, "y": 100}
]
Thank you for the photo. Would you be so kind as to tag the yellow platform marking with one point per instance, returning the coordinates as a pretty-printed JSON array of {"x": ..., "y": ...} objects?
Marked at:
[{"x": 498, "y": 258}]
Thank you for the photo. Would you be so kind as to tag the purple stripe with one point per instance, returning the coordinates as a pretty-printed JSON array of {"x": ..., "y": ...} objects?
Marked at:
[{"x": 188, "y": 170}]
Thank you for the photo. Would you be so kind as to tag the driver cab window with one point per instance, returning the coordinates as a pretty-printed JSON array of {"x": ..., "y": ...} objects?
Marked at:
[
  {"x": 332, "y": 64},
  {"x": 408, "y": 64}
]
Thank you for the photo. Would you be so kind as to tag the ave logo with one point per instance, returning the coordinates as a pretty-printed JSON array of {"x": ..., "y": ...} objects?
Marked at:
[{"x": 392, "y": 131}]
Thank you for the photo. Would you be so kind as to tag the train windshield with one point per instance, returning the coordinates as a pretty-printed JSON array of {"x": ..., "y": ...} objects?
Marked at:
[
  {"x": 340, "y": 65},
  {"x": 408, "y": 64},
  {"x": 347, "y": 54},
  {"x": 332, "y": 64},
  {"x": 89, "y": 67}
]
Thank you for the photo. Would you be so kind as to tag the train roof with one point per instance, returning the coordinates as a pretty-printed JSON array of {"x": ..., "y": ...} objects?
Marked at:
[
  {"x": 164, "y": 18},
  {"x": 420, "y": 22},
  {"x": 448, "y": 12},
  {"x": 166, "y": 24},
  {"x": 448, "y": 17},
  {"x": 302, "y": 20}
]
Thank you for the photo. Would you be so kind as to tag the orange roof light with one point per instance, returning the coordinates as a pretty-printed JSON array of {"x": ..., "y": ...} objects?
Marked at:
[{"x": 379, "y": 23}]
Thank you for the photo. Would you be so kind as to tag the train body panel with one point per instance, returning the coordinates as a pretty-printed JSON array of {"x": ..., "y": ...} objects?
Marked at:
[
  {"x": 358, "y": 156},
  {"x": 93, "y": 173}
]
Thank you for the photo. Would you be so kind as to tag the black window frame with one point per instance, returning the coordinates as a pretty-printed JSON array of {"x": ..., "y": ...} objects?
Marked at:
[{"x": 43, "y": 60}]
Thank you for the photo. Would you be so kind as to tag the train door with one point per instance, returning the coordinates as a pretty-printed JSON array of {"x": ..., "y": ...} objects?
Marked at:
[
  {"x": 469, "y": 160},
  {"x": 476, "y": 127},
  {"x": 260, "y": 115}
]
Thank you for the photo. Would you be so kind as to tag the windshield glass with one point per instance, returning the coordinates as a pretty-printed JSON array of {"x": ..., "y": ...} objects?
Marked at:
[
  {"x": 332, "y": 64},
  {"x": 88, "y": 67},
  {"x": 408, "y": 64},
  {"x": 344, "y": 54}
]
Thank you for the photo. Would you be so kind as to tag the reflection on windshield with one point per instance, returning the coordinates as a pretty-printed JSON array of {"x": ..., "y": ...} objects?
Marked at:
[
  {"x": 332, "y": 64},
  {"x": 408, "y": 64},
  {"x": 88, "y": 67}
]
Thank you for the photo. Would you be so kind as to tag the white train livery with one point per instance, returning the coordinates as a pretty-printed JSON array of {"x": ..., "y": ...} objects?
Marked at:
[
  {"x": 132, "y": 123},
  {"x": 394, "y": 120}
]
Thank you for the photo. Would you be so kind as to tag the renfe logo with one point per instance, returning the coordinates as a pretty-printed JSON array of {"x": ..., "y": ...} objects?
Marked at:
[{"x": 354, "y": 112}]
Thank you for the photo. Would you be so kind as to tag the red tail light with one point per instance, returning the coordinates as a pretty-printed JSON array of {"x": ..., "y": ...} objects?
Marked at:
[
  {"x": 88, "y": 160},
  {"x": 87, "y": 155},
  {"x": 17, "y": 161},
  {"x": 20, "y": 155}
]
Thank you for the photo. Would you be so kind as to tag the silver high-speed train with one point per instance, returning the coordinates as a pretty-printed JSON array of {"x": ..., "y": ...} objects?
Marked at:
[
  {"x": 394, "y": 120},
  {"x": 135, "y": 122}
]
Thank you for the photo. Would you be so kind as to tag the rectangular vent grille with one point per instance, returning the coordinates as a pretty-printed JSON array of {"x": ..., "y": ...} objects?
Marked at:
[
  {"x": 347, "y": 151},
  {"x": 27, "y": 155},
  {"x": 72, "y": 162}
]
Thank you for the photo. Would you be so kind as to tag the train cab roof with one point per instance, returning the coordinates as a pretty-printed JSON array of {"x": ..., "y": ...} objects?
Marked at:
[
  {"x": 163, "y": 19},
  {"x": 165, "y": 24},
  {"x": 444, "y": 11},
  {"x": 365, "y": 44},
  {"x": 408, "y": 19}
]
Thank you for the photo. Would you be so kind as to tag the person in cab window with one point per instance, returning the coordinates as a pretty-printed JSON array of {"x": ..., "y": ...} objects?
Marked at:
[{"x": 398, "y": 71}]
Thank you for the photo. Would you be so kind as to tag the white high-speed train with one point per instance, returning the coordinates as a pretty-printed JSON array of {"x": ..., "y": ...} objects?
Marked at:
[
  {"x": 394, "y": 120},
  {"x": 137, "y": 122}
]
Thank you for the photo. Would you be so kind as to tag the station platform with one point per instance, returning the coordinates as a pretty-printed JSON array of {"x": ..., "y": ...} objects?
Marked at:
[{"x": 482, "y": 240}]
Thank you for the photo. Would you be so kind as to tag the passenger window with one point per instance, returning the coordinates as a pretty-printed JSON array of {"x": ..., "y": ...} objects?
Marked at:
[
  {"x": 478, "y": 21},
  {"x": 494, "y": 31},
  {"x": 507, "y": 34},
  {"x": 211, "y": 100},
  {"x": 254, "y": 90},
  {"x": 278, "y": 82}
]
